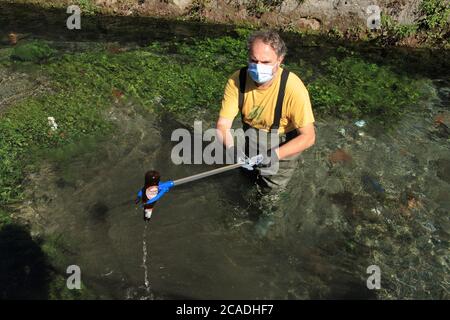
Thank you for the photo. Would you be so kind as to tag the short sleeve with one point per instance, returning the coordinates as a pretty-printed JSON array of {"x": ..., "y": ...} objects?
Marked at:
[
  {"x": 230, "y": 103},
  {"x": 300, "y": 110}
]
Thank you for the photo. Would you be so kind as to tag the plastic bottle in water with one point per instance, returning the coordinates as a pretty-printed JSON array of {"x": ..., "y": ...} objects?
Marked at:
[{"x": 150, "y": 191}]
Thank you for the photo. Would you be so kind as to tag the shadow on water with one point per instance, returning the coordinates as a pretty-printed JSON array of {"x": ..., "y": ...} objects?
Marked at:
[
  {"x": 99, "y": 211},
  {"x": 24, "y": 270},
  {"x": 50, "y": 24}
]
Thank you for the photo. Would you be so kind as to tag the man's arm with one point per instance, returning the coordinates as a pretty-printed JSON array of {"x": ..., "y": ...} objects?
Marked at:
[
  {"x": 305, "y": 140},
  {"x": 223, "y": 131}
]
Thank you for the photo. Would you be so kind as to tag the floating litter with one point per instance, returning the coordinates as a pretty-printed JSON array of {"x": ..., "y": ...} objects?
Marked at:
[{"x": 360, "y": 123}]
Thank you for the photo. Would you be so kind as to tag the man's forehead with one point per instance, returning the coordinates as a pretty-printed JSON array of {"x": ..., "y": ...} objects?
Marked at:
[
  {"x": 260, "y": 49},
  {"x": 260, "y": 45}
]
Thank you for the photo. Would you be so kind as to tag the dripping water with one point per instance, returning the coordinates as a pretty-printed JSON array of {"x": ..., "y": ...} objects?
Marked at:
[{"x": 148, "y": 294}]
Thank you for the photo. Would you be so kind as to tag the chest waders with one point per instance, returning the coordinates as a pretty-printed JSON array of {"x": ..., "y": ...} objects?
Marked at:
[{"x": 254, "y": 139}]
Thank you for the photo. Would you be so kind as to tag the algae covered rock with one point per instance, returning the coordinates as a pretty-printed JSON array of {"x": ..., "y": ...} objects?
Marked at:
[{"x": 34, "y": 51}]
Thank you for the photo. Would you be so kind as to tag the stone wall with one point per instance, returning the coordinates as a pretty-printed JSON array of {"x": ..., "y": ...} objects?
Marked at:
[
  {"x": 302, "y": 14},
  {"x": 321, "y": 15}
]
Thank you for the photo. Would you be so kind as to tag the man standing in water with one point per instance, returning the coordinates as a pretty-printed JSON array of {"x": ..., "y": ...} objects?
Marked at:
[{"x": 270, "y": 99}]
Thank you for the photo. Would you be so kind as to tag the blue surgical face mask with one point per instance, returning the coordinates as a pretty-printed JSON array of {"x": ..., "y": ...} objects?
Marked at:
[{"x": 260, "y": 73}]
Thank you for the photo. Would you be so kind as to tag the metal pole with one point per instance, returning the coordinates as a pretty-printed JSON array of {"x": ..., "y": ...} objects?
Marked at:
[{"x": 206, "y": 174}]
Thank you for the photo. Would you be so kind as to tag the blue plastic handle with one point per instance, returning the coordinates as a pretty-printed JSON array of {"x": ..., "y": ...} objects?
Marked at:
[{"x": 163, "y": 187}]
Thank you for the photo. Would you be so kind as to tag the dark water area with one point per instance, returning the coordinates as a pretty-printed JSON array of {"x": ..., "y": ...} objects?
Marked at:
[
  {"x": 50, "y": 24},
  {"x": 25, "y": 269},
  {"x": 382, "y": 200}
]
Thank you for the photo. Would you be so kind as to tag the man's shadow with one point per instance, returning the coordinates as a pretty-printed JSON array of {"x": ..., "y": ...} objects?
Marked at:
[{"x": 24, "y": 269}]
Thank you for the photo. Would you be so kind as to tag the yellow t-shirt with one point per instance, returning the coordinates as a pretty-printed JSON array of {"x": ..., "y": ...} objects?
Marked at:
[{"x": 259, "y": 104}]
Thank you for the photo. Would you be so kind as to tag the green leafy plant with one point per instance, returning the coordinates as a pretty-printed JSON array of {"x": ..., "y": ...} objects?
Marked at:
[
  {"x": 34, "y": 51},
  {"x": 435, "y": 14},
  {"x": 336, "y": 33},
  {"x": 258, "y": 7},
  {"x": 225, "y": 52},
  {"x": 87, "y": 6},
  {"x": 354, "y": 88},
  {"x": 394, "y": 31},
  {"x": 402, "y": 31}
]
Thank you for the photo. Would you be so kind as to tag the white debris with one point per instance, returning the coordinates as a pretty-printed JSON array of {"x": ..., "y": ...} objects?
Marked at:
[
  {"x": 342, "y": 131},
  {"x": 376, "y": 211},
  {"x": 360, "y": 123},
  {"x": 52, "y": 123},
  {"x": 107, "y": 274}
]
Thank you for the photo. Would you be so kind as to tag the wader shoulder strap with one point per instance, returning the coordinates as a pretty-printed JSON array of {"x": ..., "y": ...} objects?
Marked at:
[
  {"x": 242, "y": 79},
  {"x": 280, "y": 99}
]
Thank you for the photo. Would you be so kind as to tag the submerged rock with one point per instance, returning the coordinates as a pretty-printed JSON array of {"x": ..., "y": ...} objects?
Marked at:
[
  {"x": 442, "y": 124},
  {"x": 409, "y": 203},
  {"x": 371, "y": 185},
  {"x": 340, "y": 156},
  {"x": 442, "y": 119}
]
